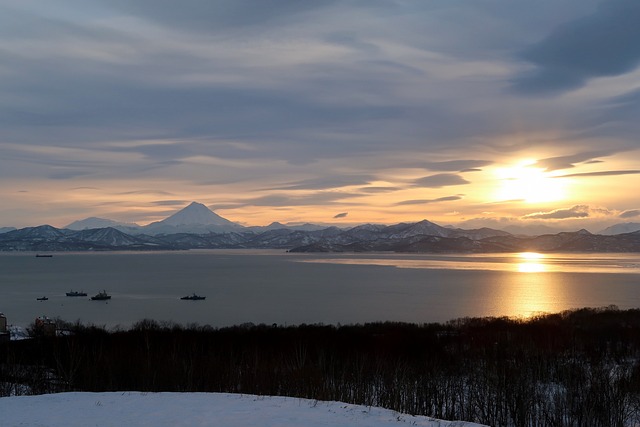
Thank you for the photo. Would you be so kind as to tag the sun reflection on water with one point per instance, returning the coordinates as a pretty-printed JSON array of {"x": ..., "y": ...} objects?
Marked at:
[
  {"x": 531, "y": 262},
  {"x": 526, "y": 295}
]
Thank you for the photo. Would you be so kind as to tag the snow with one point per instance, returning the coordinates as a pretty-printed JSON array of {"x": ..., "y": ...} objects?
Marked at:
[
  {"x": 195, "y": 214},
  {"x": 135, "y": 409}
]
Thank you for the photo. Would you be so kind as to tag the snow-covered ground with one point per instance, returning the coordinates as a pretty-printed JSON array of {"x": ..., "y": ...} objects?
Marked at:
[{"x": 133, "y": 409}]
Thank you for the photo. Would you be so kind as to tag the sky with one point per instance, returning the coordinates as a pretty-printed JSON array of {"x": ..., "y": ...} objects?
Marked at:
[{"x": 464, "y": 112}]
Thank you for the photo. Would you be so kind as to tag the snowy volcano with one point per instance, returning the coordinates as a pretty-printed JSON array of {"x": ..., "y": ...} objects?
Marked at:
[{"x": 195, "y": 218}]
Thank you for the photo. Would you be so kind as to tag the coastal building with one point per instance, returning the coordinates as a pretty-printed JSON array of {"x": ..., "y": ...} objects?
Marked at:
[
  {"x": 45, "y": 326},
  {"x": 4, "y": 331}
]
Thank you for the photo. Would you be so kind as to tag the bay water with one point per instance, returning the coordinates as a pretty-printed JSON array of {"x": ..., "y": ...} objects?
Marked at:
[{"x": 290, "y": 289}]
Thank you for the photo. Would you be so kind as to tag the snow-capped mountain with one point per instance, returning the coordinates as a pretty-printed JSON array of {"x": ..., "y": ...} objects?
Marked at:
[
  {"x": 95, "y": 222},
  {"x": 6, "y": 229},
  {"x": 279, "y": 226},
  {"x": 418, "y": 237},
  {"x": 626, "y": 227},
  {"x": 195, "y": 218},
  {"x": 110, "y": 236}
]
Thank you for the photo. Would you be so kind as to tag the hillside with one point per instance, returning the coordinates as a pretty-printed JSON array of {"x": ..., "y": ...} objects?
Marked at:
[
  {"x": 420, "y": 237},
  {"x": 197, "y": 409}
]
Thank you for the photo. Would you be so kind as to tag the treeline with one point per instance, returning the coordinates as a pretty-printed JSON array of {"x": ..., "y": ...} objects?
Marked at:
[{"x": 575, "y": 368}]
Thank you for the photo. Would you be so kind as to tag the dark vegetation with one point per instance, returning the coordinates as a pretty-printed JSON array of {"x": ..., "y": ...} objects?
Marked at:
[{"x": 576, "y": 368}]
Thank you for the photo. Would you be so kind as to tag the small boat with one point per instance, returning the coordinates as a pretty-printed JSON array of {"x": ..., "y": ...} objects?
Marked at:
[
  {"x": 101, "y": 296},
  {"x": 76, "y": 294},
  {"x": 42, "y": 299},
  {"x": 44, "y": 255},
  {"x": 193, "y": 297}
]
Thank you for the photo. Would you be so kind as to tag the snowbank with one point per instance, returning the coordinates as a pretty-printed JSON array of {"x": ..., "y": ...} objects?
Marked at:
[{"x": 196, "y": 409}]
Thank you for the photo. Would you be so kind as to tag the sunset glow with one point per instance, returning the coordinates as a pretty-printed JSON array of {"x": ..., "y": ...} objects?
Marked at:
[
  {"x": 530, "y": 184},
  {"x": 293, "y": 113}
]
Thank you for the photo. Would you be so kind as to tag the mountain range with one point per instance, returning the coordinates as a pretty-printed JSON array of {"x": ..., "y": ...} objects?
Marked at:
[{"x": 197, "y": 227}]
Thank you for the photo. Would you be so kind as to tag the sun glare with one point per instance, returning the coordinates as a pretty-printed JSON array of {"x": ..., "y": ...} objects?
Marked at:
[
  {"x": 531, "y": 262},
  {"x": 530, "y": 256},
  {"x": 529, "y": 183}
]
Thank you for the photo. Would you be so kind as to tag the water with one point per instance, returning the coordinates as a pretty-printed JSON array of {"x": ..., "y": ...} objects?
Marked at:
[{"x": 283, "y": 288}]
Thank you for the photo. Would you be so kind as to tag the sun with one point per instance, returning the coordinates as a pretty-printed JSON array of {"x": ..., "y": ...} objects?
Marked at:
[{"x": 529, "y": 183}]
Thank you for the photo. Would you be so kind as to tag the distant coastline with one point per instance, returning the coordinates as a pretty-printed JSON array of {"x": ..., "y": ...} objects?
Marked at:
[{"x": 419, "y": 237}]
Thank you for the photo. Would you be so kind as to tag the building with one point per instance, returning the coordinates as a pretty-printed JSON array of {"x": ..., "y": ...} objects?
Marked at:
[
  {"x": 4, "y": 331},
  {"x": 45, "y": 326}
]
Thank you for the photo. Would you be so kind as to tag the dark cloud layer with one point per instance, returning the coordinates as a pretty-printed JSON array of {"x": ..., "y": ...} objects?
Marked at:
[{"x": 601, "y": 44}]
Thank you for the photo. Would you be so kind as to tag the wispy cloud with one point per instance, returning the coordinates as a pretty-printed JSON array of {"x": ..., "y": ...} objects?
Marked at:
[
  {"x": 323, "y": 183},
  {"x": 440, "y": 180},
  {"x": 632, "y": 213},
  {"x": 457, "y": 165},
  {"x": 577, "y": 211},
  {"x": 428, "y": 201},
  {"x": 323, "y": 197},
  {"x": 600, "y": 173},
  {"x": 568, "y": 162}
]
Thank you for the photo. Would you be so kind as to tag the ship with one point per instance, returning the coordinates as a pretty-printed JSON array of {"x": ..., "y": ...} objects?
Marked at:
[
  {"x": 76, "y": 294},
  {"x": 100, "y": 296},
  {"x": 193, "y": 297}
]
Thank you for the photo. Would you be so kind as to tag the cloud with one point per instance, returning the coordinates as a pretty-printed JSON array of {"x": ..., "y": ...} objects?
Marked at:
[
  {"x": 69, "y": 173},
  {"x": 601, "y": 44},
  {"x": 228, "y": 97},
  {"x": 630, "y": 213},
  {"x": 341, "y": 215},
  {"x": 577, "y": 211},
  {"x": 568, "y": 162},
  {"x": 375, "y": 190},
  {"x": 600, "y": 173},
  {"x": 457, "y": 165},
  {"x": 170, "y": 202},
  {"x": 324, "y": 183},
  {"x": 319, "y": 198},
  {"x": 219, "y": 15},
  {"x": 440, "y": 180},
  {"x": 427, "y": 201},
  {"x": 147, "y": 193}
]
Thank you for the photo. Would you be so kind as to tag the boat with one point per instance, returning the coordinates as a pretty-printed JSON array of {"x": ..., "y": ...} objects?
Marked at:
[
  {"x": 76, "y": 294},
  {"x": 44, "y": 255},
  {"x": 100, "y": 296},
  {"x": 193, "y": 297},
  {"x": 42, "y": 299}
]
